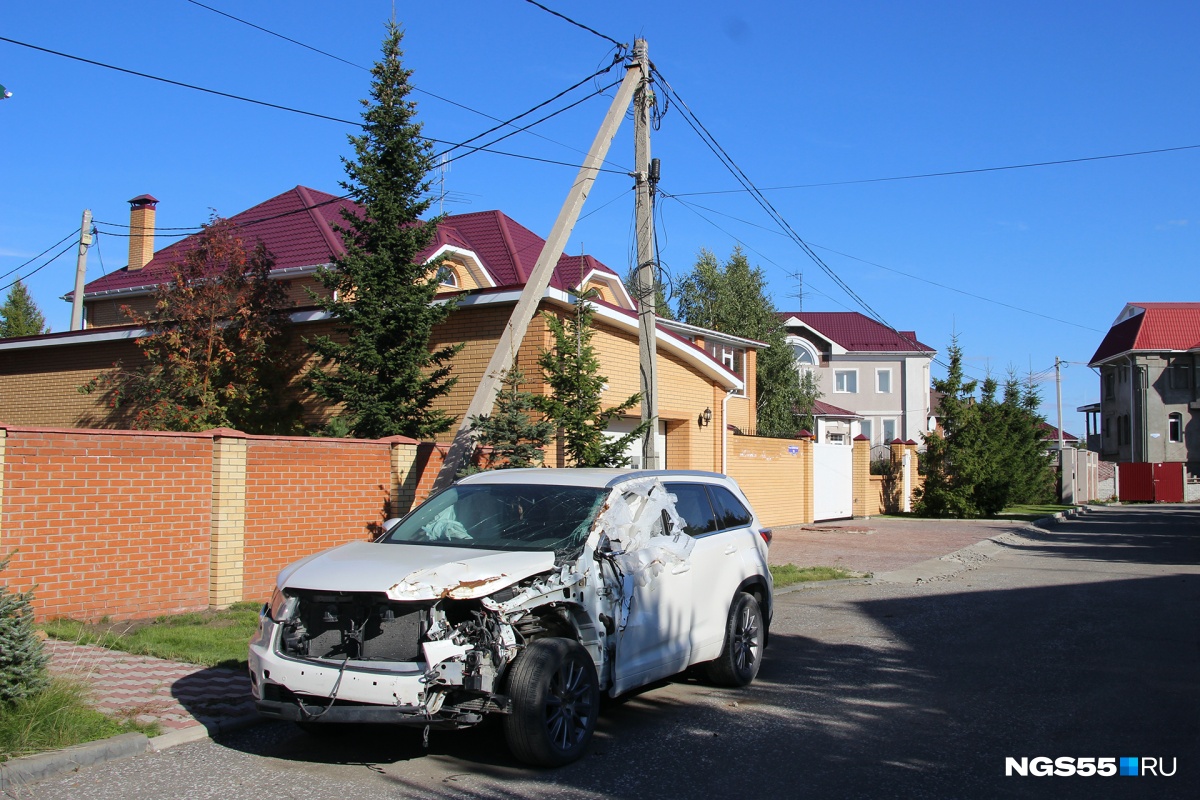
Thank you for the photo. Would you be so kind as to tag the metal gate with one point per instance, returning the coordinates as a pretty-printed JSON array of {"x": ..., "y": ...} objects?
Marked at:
[
  {"x": 1150, "y": 483},
  {"x": 833, "y": 481}
]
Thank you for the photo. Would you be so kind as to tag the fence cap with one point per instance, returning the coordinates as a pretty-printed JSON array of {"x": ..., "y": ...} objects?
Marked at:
[
  {"x": 897, "y": 440},
  {"x": 804, "y": 434},
  {"x": 862, "y": 438},
  {"x": 910, "y": 443}
]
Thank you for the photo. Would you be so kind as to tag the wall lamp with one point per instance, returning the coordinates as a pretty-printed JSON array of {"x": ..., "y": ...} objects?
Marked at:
[{"x": 706, "y": 417}]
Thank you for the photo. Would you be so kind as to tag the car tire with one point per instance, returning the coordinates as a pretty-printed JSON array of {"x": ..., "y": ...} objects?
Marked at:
[
  {"x": 744, "y": 637},
  {"x": 555, "y": 701}
]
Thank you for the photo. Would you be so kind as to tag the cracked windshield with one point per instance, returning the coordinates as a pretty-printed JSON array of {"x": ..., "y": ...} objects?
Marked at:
[{"x": 503, "y": 517}]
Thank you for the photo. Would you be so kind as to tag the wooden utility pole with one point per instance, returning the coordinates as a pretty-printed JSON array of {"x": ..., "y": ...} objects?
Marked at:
[
  {"x": 647, "y": 272},
  {"x": 539, "y": 279},
  {"x": 85, "y": 239}
]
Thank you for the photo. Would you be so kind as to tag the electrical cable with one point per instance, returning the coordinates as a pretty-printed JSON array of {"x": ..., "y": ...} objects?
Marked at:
[
  {"x": 414, "y": 88},
  {"x": 277, "y": 105},
  {"x": 577, "y": 24},
  {"x": 947, "y": 173},
  {"x": 61, "y": 253},
  {"x": 39, "y": 255},
  {"x": 676, "y": 197}
]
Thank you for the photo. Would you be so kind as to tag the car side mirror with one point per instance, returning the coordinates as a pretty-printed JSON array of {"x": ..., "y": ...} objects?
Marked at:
[{"x": 388, "y": 523}]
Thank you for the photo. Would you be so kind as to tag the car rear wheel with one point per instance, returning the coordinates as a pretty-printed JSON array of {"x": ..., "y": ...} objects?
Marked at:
[
  {"x": 742, "y": 654},
  {"x": 556, "y": 698}
]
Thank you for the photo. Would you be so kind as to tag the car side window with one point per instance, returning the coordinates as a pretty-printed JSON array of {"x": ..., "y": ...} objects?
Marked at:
[
  {"x": 729, "y": 510},
  {"x": 691, "y": 502}
]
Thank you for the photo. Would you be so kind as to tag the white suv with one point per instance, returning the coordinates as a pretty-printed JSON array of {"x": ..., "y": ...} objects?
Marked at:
[{"x": 524, "y": 593}]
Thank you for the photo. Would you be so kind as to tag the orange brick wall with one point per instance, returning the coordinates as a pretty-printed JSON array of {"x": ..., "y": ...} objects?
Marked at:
[
  {"x": 306, "y": 495},
  {"x": 777, "y": 483},
  {"x": 40, "y": 387},
  {"x": 107, "y": 522}
]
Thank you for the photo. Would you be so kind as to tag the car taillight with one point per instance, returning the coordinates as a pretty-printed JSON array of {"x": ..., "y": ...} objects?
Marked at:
[{"x": 766, "y": 535}]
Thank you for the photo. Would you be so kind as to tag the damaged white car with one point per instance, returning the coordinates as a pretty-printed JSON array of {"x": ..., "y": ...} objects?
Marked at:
[{"x": 524, "y": 593}]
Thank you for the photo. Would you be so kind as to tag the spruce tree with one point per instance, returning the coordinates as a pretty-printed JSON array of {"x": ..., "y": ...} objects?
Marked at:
[
  {"x": 20, "y": 316},
  {"x": 951, "y": 467},
  {"x": 22, "y": 660},
  {"x": 380, "y": 296},
  {"x": 572, "y": 371},
  {"x": 515, "y": 431},
  {"x": 731, "y": 297}
]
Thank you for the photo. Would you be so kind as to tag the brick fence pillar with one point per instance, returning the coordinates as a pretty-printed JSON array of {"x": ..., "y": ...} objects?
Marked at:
[
  {"x": 862, "y": 476},
  {"x": 808, "y": 498},
  {"x": 404, "y": 475},
  {"x": 227, "y": 548},
  {"x": 3, "y": 441}
]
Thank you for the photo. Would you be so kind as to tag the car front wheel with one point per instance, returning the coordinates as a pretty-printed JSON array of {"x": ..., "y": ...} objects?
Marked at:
[
  {"x": 742, "y": 654},
  {"x": 556, "y": 697}
]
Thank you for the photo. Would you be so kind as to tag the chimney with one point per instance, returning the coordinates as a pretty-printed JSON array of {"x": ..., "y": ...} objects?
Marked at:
[{"x": 141, "y": 231}]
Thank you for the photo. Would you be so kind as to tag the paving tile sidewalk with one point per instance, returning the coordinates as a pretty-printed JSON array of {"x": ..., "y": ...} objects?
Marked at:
[{"x": 177, "y": 696}]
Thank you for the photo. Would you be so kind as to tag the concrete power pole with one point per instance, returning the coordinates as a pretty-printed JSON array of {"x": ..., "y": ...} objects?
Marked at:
[
  {"x": 539, "y": 279},
  {"x": 85, "y": 239},
  {"x": 647, "y": 272}
]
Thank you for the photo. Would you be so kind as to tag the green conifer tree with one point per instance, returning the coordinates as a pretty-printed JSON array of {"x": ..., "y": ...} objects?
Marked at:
[
  {"x": 572, "y": 371},
  {"x": 22, "y": 660},
  {"x": 20, "y": 316},
  {"x": 516, "y": 430},
  {"x": 380, "y": 296},
  {"x": 951, "y": 467}
]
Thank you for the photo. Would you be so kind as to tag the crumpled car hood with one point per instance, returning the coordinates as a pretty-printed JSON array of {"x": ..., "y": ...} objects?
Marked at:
[{"x": 414, "y": 572}]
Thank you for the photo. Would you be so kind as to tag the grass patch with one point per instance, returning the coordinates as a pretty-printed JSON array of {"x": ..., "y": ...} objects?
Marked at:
[
  {"x": 1030, "y": 512},
  {"x": 57, "y": 717},
  {"x": 208, "y": 638},
  {"x": 787, "y": 574}
]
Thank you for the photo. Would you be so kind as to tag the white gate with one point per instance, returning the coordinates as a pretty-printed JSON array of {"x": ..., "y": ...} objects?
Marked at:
[{"x": 833, "y": 481}]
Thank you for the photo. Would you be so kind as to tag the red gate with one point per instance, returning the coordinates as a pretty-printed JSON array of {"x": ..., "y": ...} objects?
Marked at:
[{"x": 1151, "y": 483}]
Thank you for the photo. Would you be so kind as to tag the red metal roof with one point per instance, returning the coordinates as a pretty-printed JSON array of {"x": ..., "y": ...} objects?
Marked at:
[
  {"x": 1149, "y": 327},
  {"x": 857, "y": 332},
  {"x": 297, "y": 227},
  {"x": 822, "y": 409},
  {"x": 1051, "y": 432}
]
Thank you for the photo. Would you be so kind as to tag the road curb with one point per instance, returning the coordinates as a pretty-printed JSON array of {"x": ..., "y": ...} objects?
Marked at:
[{"x": 29, "y": 769}]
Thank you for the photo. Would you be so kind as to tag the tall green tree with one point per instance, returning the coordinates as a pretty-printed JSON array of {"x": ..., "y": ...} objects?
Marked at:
[
  {"x": 214, "y": 345},
  {"x": 381, "y": 369},
  {"x": 572, "y": 371},
  {"x": 731, "y": 297},
  {"x": 516, "y": 431},
  {"x": 20, "y": 315},
  {"x": 951, "y": 467}
]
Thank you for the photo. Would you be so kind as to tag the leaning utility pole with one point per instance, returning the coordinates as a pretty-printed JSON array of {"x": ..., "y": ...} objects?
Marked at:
[
  {"x": 647, "y": 271},
  {"x": 539, "y": 278},
  {"x": 85, "y": 239}
]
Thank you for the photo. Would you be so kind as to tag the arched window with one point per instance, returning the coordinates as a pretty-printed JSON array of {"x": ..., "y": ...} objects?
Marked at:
[
  {"x": 447, "y": 276},
  {"x": 802, "y": 352}
]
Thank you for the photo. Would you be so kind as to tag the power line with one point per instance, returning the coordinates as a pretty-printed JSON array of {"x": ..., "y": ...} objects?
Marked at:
[
  {"x": 180, "y": 83},
  {"x": 27, "y": 275},
  {"x": 418, "y": 89},
  {"x": 947, "y": 173},
  {"x": 592, "y": 31},
  {"x": 35, "y": 258},
  {"x": 280, "y": 107},
  {"x": 677, "y": 199}
]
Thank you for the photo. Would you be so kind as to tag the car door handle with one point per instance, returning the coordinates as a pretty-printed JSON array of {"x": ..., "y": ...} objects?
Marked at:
[{"x": 731, "y": 549}]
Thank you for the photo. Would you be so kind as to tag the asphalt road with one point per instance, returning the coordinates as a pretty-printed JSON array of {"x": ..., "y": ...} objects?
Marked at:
[{"x": 1079, "y": 642}]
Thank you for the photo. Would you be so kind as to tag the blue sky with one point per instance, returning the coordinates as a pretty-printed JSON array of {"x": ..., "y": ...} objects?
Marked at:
[{"x": 797, "y": 94}]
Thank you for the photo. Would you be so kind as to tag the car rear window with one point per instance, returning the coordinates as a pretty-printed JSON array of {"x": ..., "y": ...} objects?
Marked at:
[
  {"x": 691, "y": 502},
  {"x": 730, "y": 511}
]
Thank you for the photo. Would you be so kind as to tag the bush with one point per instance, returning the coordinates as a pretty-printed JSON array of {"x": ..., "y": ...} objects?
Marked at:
[{"x": 22, "y": 660}]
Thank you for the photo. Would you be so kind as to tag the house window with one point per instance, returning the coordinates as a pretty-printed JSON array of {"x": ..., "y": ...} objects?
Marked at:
[
  {"x": 1175, "y": 427},
  {"x": 802, "y": 354},
  {"x": 889, "y": 430},
  {"x": 845, "y": 381},
  {"x": 446, "y": 276},
  {"x": 883, "y": 381},
  {"x": 1110, "y": 386},
  {"x": 865, "y": 425}
]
